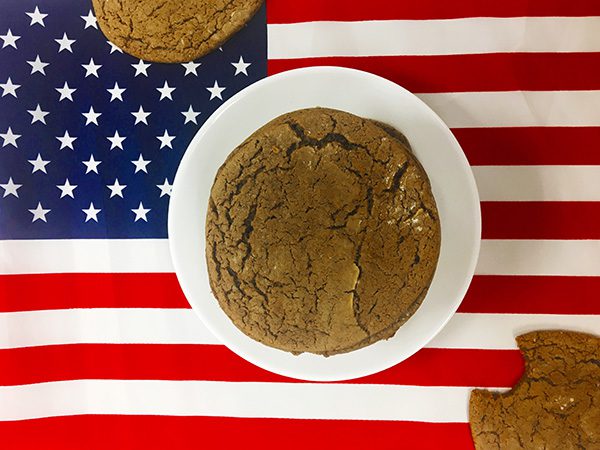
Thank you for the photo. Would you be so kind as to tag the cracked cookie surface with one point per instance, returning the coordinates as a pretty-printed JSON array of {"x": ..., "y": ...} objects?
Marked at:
[
  {"x": 555, "y": 405},
  {"x": 322, "y": 233},
  {"x": 172, "y": 30}
]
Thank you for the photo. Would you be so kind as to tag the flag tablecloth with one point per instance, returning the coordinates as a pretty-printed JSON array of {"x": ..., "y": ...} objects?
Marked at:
[{"x": 98, "y": 346}]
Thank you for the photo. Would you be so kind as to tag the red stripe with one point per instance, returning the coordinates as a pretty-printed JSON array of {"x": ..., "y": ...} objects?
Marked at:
[
  {"x": 499, "y": 294},
  {"x": 530, "y": 146},
  {"x": 429, "y": 367},
  {"x": 541, "y": 220},
  {"x": 282, "y": 11},
  {"x": 532, "y": 295},
  {"x": 459, "y": 73},
  {"x": 100, "y": 432},
  {"x": 82, "y": 290}
]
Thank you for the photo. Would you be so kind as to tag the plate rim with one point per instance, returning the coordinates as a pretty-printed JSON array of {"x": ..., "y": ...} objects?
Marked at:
[{"x": 174, "y": 204}]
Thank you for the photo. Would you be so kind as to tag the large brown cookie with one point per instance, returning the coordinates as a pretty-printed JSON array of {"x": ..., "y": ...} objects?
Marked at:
[
  {"x": 555, "y": 405},
  {"x": 172, "y": 30},
  {"x": 322, "y": 233}
]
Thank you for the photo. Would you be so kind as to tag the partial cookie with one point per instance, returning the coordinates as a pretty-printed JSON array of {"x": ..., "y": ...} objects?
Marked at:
[
  {"x": 172, "y": 31},
  {"x": 555, "y": 405},
  {"x": 322, "y": 233}
]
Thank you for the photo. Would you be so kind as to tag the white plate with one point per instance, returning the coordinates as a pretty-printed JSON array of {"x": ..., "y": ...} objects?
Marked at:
[{"x": 366, "y": 95}]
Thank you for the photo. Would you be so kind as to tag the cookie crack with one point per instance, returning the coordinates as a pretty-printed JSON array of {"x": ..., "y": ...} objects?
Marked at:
[
  {"x": 356, "y": 306},
  {"x": 397, "y": 177},
  {"x": 344, "y": 222},
  {"x": 216, "y": 261},
  {"x": 236, "y": 280},
  {"x": 307, "y": 141},
  {"x": 370, "y": 200}
]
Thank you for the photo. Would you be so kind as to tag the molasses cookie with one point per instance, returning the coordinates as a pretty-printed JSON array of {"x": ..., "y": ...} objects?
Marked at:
[
  {"x": 172, "y": 30},
  {"x": 322, "y": 233},
  {"x": 555, "y": 405}
]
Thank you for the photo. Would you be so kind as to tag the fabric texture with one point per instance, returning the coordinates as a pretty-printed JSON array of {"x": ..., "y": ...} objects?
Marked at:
[{"x": 98, "y": 346}]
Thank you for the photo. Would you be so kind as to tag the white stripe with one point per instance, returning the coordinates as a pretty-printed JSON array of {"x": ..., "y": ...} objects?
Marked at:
[
  {"x": 181, "y": 326},
  {"x": 498, "y": 331},
  {"x": 497, "y": 257},
  {"x": 213, "y": 398},
  {"x": 516, "y": 108},
  {"x": 102, "y": 325},
  {"x": 434, "y": 37},
  {"x": 538, "y": 183},
  {"x": 539, "y": 257},
  {"x": 85, "y": 255}
]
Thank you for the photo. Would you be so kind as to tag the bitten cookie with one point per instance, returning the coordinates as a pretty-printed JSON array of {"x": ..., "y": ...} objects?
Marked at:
[
  {"x": 555, "y": 405},
  {"x": 172, "y": 31},
  {"x": 322, "y": 233}
]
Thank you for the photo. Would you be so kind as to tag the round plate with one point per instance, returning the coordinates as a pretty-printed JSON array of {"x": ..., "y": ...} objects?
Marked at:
[{"x": 366, "y": 95}]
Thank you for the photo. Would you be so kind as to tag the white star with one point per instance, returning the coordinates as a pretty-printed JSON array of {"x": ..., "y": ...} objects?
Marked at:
[
  {"x": 141, "y": 116},
  {"x": 66, "y": 190},
  {"x": 215, "y": 91},
  {"x": 91, "y": 68},
  {"x": 114, "y": 48},
  {"x": 116, "y": 189},
  {"x": 90, "y": 20},
  {"x": 9, "y": 88},
  {"x": 116, "y": 141},
  {"x": 91, "y": 165},
  {"x": 37, "y": 65},
  {"x": 165, "y": 91},
  {"x": 140, "y": 164},
  {"x": 165, "y": 140},
  {"x": 65, "y": 92},
  {"x": 65, "y": 43},
  {"x": 9, "y": 138},
  {"x": 190, "y": 68},
  {"x": 141, "y": 68},
  {"x": 37, "y": 17},
  {"x": 140, "y": 213},
  {"x": 9, "y": 39},
  {"x": 190, "y": 115},
  {"x": 116, "y": 92},
  {"x": 38, "y": 164},
  {"x": 39, "y": 213},
  {"x": 38, "y": 115},
  {"x": 91, "y": 116},
  {"x": 165, "y": 189},
  {"x": 241, "y": 66},
  {"x": 66, "y": 141},
  {"x": 10, "y": 188},
  {"x": 91, "y": 213}
]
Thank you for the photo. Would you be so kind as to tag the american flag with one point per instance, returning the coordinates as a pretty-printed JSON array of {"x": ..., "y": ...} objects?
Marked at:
[{"x": 98, "y": 346}]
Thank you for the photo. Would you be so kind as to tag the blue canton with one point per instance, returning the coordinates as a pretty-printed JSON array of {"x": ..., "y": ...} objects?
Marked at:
[{"x": 90, "y": 137}]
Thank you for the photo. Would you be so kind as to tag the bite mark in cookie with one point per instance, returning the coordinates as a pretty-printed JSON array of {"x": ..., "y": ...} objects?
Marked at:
[{"x": 556, "y": 404}]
